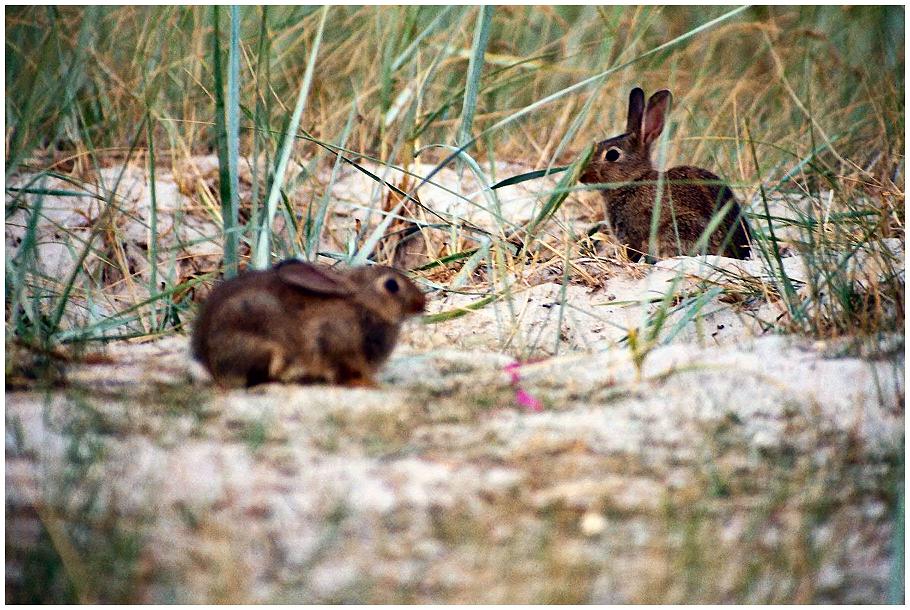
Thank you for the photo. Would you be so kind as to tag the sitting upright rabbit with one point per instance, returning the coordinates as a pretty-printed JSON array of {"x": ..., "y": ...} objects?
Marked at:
[{"x": 689, "y": 196}]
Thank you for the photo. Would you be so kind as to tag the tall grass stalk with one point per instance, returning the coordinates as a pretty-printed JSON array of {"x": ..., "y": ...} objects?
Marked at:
[
  {"x": 475, "y": 66},
  {"x": 318, "y": 220},
  {"x": 153, "y": 217},
  {"x": 412, "y": 48},
  {"x": 228, "y": 215},
  {"x": 261, "y": 252},
  {"x": 785, "y": 286},
  {"x": 18, "y": 270},
  {"x": 260, "y": 131},
  {"x": 232, "y": 120}
]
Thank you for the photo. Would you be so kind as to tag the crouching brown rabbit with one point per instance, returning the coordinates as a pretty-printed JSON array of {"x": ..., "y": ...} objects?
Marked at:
[
  {"x": 300, "y": 322},
  {"x": 689, "y": 196}
]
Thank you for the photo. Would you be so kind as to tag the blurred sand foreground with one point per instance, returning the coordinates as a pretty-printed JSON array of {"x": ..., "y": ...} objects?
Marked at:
[{"x": 735, "y": 466}]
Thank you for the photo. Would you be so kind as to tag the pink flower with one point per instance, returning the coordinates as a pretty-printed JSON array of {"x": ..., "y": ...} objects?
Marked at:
[
  {"x": 527, "y": 401},
  {"x": 512, "y": 370},
  {"x": 522, "y": 397}
]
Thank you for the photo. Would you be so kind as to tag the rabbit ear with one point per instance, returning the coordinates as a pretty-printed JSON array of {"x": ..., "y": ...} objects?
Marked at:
[
  {"x": 636, "y": 109},
  {"x": 313, "y": 278},
  {"x": 655, "y": 115}
]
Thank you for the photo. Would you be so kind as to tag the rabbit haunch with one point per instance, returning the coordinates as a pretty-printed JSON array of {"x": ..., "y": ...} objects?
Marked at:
[
  {"x": 689, "y": 196},
  {"x": 300, "y": 322}
]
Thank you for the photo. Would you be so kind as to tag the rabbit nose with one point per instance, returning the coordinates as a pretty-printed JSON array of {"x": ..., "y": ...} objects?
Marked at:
[
  {"x": 419, "y": 303},
  {"x": 588, "y": 175}
]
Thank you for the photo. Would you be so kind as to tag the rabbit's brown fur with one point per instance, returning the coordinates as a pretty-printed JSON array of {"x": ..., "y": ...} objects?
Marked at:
[
  {"x": 300, "y": 322},
  {"x": 689, "y": 196}
]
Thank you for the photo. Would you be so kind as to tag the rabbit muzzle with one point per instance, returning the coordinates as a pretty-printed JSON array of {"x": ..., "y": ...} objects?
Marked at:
[{"x": 417, "y": 304}]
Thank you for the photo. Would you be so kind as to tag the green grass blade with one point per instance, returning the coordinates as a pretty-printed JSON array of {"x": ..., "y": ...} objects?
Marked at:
[
  {"x": 494, "y": 207},
  {"x": 232, "y": 120},
  {"x": 457, "y": 256},
  {"x": 470, "y": 265},
  {"x": 54, "y": 192},
  {"x": 153, "y": 216},
  {"x": 221, "y": 141},
  {"x": 318, "y": 221},
  {"x": 563, "y": 188},
  {"x": 261, "y": 254},
  {"x": 21, "y": 265},
  {"x": 692, "y": 308},
  {"x": 475, "y": 67},
  {"x": 537, "y": 173},
  {"x": 445, "y": 316},
  {"x": 405, "y": 55},
  {"x": 259, "y": 118}
]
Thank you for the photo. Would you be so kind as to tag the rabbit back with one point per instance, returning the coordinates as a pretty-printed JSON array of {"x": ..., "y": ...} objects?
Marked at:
[
  {"x": 689, "y": 199},
  {"x": 247, "y": 331},
  {"x": 260, "y": 327}
]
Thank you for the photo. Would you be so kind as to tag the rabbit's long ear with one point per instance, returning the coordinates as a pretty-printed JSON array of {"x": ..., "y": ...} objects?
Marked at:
[
  {"x": 636, "y": 110},
  {"x": 655, "y": 115},
  {"x": 312, "y": 278}
]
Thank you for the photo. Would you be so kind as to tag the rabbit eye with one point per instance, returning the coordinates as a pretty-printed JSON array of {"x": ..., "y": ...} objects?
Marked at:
[
  {"x": 391, "y": 285},
  {"x": 613, "y": 154}
]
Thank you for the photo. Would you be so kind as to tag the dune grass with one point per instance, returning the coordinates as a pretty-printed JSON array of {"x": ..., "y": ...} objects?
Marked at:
[
  {"x": 774, "y": 99},
  {"x": 799, "y": 103}
]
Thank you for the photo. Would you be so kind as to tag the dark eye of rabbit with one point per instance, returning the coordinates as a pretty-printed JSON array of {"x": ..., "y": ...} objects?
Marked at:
[
  {"x": 613, "y": 154},
  {"x": 391, "y": 285}
]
